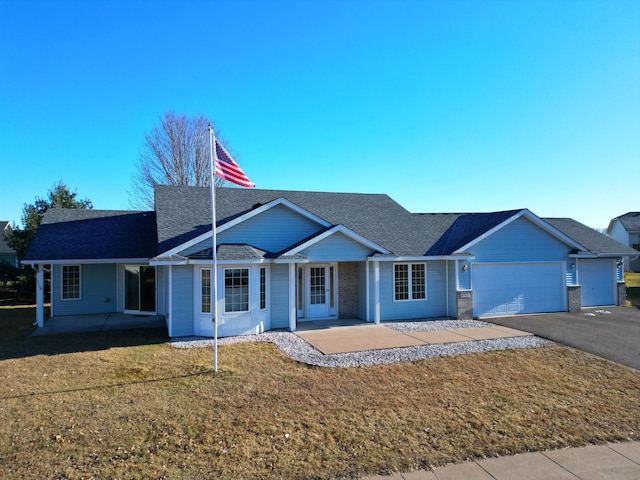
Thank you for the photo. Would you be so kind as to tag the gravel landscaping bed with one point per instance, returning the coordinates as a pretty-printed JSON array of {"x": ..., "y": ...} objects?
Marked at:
[{"x": 296, "y": 348}]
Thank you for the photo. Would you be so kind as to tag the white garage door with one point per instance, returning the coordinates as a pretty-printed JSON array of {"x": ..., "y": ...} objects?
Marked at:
[
  {"x": 596, "y": 278},
  {"x": 512, "y": 288}
]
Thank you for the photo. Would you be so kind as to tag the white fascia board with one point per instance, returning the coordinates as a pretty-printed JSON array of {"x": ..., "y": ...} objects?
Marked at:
[
  {"x": 535, "y": 220},
  {"x": 230, "y": 262},
  {"x": 167, "y": 262},
  {"x": 290, "y": 260},
  {"x": 420, "y": 259},
  {"x": 603, "y": 255},
  {"x": 73, "y": 261},
  {"x": 338, "y": 229},
  {"x": 267, "y": 206}
]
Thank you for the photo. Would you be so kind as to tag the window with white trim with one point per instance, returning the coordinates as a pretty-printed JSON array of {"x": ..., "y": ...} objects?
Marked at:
[
  {"x": 70, "y": 282},
  {"x": 263, "y": 288},
  {"x": 409, "y": 281},
  {"x": 236, "y": 290},
  {"x": 205, "y": 290}
]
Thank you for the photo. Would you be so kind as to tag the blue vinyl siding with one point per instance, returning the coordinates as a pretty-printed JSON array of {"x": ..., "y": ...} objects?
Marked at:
[
  {"x": 273, "y": 230},
  {"x": 464, "y": 278},
  {"x": 336, "y": 248},
  {"x": 434, "y": 306},
  {"x": 571, "y": 273},
  {"x": 520, "y": 241},
  {"x": 279, "y": 296},
  {"x": 182, "y": 314},
  {"x": 98, "y": 291}
]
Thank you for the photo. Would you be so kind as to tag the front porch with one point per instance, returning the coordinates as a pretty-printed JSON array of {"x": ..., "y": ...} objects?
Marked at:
[{"x": 98, "y": 322}]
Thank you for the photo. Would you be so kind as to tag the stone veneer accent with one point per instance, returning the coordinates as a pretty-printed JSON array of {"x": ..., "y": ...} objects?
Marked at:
[
  {"x": 464, "y": 305},
  {"x": 574, "y": 298},
  {"x": 348, "y": 290},
  {"x": 622, "y": 293}
]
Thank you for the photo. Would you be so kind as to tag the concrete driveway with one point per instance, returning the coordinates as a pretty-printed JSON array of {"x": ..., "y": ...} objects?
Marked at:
[{"x": 614, "y": 335}]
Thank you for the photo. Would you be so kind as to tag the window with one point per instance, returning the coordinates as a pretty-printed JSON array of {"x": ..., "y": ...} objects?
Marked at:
[
  {"x": 409, "y": 281},
  {"x": 636, "y": 246},
  {"x": 263, "y": 288},
  {"x": 71, "y": 282},
  {"x": 205, "y": 290},
  {"x": 236, "y": 290},
  {"x": 139, "y": 288}
]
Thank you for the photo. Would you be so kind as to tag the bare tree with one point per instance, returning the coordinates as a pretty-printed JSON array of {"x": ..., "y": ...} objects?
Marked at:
[{"x": 176, "y": 152}]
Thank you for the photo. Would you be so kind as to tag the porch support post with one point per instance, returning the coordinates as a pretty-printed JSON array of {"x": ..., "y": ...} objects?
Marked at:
[
  {"x": 40, "y": 296},
  {"x": 292, "y": 297},
  {"x": 376, "y": 292}
]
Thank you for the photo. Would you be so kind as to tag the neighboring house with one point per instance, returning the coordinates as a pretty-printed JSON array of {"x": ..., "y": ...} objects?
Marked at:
[
  {"x": 626, "y": 229},
  {"x": 286, "y": 257},
  {"x": 7, "y": 254}
]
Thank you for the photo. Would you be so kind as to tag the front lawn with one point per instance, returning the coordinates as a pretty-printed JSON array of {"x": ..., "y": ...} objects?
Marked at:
[
  {"x": 128, "y": 405},
  {"x": 633, "y": 288}
]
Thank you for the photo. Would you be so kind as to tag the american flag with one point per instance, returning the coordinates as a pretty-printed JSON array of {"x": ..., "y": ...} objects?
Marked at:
[{"x": 227, "y": 168}]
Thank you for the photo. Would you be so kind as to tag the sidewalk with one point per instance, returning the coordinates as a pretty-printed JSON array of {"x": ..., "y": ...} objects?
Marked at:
[{"x": 613, "y": 461}]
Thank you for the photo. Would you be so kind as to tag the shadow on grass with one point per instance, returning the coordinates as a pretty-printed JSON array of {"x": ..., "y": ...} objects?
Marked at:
[
  {"x": 633, "y": 295},
  {"x": 26, "y": 346}
]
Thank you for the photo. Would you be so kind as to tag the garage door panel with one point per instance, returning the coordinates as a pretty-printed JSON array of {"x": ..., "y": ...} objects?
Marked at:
[
  {"x": 596, "y": 278},
  {"x": 516, "y": 288}
]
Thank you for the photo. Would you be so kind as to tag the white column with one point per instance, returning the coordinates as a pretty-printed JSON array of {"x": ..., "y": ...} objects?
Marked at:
[
  {"x": 292, "y": 297},
  {"x": 376, "y": 292},
  {"x": 368, "y": 294},
  {"x": 40, "y": 295}
]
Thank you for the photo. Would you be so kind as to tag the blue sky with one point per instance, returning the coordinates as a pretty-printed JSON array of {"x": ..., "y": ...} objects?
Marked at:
[{"x": 447, "y": 106}]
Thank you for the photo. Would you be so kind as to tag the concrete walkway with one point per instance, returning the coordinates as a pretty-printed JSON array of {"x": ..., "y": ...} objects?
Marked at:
[
  {"x": 365, "y": 336},
  {"x": 613, "y": 461}
]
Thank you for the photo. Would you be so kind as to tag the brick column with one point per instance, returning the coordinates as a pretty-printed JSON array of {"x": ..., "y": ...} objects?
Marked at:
[
  {"x": 574, "y": 298},
  {"x": 464, "y": 305}
]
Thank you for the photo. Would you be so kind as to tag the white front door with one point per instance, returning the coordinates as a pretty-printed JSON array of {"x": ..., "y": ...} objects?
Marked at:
[
  {"x": 321, "y": 291},
  {"x": 318, "y": 293},
  {"x": 203, "y": 302}
]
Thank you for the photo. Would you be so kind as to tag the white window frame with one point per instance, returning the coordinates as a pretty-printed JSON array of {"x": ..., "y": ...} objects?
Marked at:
[
  {"x": 410, "y": 278},
  {"x": 224, "y": 286},
  {"x": 62, "y": 283},
  {"x": 263, "y": 288}
]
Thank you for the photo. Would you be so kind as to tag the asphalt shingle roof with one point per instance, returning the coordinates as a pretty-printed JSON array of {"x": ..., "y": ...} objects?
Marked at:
[
  {"x": 630, "y": 221},
  {"x": 591, "y": 239},
  {"x": 184, "y": 213},
  {"x": 466, "y": 228},
  {"x": 66, "y": 234}
]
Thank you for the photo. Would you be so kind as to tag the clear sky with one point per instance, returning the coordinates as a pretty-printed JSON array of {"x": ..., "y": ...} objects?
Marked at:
[{"x": 447, "y": 106}]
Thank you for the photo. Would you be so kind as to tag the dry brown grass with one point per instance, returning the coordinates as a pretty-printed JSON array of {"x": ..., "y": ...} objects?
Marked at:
[
  {"x": 147, "y": 410},
  {"x": 633, "y": 288}
]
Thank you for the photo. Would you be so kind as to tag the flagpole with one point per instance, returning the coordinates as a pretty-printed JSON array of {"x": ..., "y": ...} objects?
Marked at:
[{"x": 214, "y": 273}]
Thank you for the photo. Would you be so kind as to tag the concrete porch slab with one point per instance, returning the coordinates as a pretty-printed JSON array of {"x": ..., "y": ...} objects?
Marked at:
[
  {"x": 357, "y": 339},
  {"x": 440, "y": 336},
  {"x": 98, "y": 322}
]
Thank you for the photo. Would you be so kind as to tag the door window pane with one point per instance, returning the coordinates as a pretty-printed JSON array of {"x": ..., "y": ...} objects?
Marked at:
[{"x": 317, "y": 282}]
